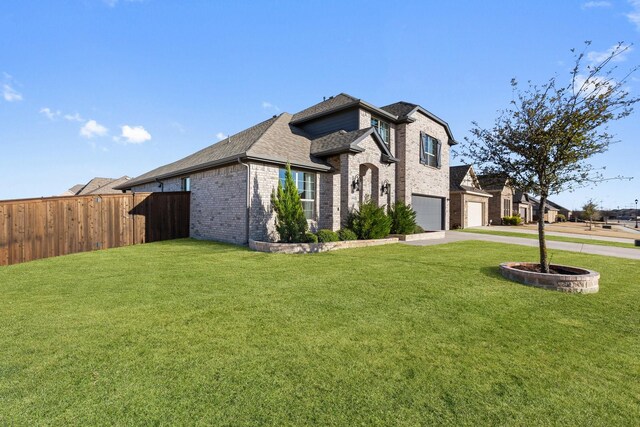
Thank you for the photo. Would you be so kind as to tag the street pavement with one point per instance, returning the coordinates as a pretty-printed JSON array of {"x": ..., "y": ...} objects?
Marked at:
[{"x": 457, "y": 236}]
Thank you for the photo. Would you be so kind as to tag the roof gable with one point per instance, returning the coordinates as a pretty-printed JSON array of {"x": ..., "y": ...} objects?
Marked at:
[
  {"x": 463, "y": 178},
  {"x": 342, "y": 141}
]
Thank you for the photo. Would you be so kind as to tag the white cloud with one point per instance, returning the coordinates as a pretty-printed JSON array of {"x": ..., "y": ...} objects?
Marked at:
[
  {"x": 269, "y": 106},
  {"x": 133, "y": 135},
  {"x": 593, "y": 87},
  {"x": 10, "y": 94},
  {"x": 597, "y": 57},
  {"x": 49, "y": 113},
  {"x": 73, "y": 117},
  {"x": 92, "y": 129},
  {"x": 634, "y": 15},
  {"x": 594, "y": 4},
  {"x": 220, "y": 136}
]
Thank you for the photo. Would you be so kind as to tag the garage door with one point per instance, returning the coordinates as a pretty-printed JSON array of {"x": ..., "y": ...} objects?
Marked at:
[
  {"x": 474, "y": 212},
  {"x": 429, "y": 211}
]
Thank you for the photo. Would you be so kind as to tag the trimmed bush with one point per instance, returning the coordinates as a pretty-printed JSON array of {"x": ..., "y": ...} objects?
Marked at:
[
  {"x": 403, "y": 218},
  {"x": 327, "y": 236},
  {"x": 291, "y": 223},
  {"x": 310, "y": 237},
  {"x": 347, "y": 234},
  {"x": 370, "y": 221},
  {"x": 417, "y": 229},
  {"x": 512, "y": 220},
  {"x": 561, "y": 218}
]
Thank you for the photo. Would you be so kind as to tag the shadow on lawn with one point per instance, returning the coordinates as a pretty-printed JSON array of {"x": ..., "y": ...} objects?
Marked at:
[{"x": 492, "y": 272}]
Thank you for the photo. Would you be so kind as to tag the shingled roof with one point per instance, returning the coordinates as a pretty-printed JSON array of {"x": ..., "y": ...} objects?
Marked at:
[
  {"x": 456, "y": 177},
  {"x": 492, "y": 182},
  {"x": 333, "y": 103},
  {"x": 272, "y": 140},
  {"x": 343, "y": 141}
]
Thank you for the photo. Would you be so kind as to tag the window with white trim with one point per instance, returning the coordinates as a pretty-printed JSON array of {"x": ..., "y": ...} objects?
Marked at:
[
  {"x": 306, "y": 184},
  {"x": 383, "y": 129},
  {"x": 430, "y": 149},
  {"x": 506, "y": 207}
]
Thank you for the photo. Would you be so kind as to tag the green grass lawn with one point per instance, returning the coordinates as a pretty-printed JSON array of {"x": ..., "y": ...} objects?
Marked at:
[
  {"x": 188, "y": 332},
  {"x": 554, "y": 238}
]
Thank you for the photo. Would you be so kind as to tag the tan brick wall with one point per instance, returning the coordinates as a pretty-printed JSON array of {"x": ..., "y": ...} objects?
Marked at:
[
  {"x": 264, "y": 179},
  {"x": 218, "y": 204},
  {"x": 496, "y": 205},
  {"x": 329, "y": 196},
  {"x": 365, "y": 122}
]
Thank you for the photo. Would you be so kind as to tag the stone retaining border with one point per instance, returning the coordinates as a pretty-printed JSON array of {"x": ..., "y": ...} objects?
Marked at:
[
  {"x": 308, "y": 248},
  {"x": 427, "y": 235},
  {"x": 584, "y": 281}
]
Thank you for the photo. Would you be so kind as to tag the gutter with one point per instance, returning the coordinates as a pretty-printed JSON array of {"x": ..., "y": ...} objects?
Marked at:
[{"x": 248, "y": 190}]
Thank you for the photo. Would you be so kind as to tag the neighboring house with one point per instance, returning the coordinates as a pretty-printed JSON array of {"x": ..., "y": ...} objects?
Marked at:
[
  {"x": 469, "y": 203},
  {"x": 523, "y": 205},
  {"x": 550, "y": 213},
  {"x": 97, "y": 186},
  {"x": 501, "y": 204},
  {"x": 342, "y": 151},
  {"x": 561, "y": 210}
]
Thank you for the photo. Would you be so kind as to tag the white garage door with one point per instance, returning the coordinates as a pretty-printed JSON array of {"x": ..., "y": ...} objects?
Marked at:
[
  {"x": 474, "y": 212},
  {"x": 429, "y": 211}
]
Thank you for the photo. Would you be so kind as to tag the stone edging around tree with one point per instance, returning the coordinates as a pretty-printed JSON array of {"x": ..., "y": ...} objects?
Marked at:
[{"x": 582, "y": 281}]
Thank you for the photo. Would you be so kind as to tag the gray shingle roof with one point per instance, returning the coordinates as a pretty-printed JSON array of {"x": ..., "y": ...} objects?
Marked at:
[
  {"x": 492, "y": 182},
  {"x": 333, "y": 103},
  {"x": 109, "y": 188},
  {"x": 272, "y": 140},
  {"x": 337, "y": 142},
  {"x": 400, "y": 109}
]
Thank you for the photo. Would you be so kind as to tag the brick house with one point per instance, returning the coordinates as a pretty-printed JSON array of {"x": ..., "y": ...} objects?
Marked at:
[
  {"x": 501, "y": 204},
  {"x": 469, "y": 203},
  {"x": 342, "y": 151}
]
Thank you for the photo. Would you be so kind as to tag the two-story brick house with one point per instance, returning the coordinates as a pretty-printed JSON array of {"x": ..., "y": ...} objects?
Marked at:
[{"x": 342, "y": 151}]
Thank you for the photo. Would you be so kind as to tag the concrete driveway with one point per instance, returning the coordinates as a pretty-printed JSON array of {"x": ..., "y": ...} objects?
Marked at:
[{"x": 456, "y": 236}]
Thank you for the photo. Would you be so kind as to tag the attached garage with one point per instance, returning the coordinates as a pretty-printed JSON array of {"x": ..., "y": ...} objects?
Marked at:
[
  {"x": 429, "y": 211},
  {"x": 474, "y": 212}
]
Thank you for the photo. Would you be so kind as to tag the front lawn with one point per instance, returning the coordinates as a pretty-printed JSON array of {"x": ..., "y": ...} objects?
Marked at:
[
  {"x": 188, "y": 332},
  {"x": 550, "y": 238}
]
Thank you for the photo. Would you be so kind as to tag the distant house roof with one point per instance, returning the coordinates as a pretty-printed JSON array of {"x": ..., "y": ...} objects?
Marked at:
[
  {"x": 493, "y": 182},
  {"x": 457, "y": 174},
  {"x": 557, "y": 206},
  {"x": 525, "y": 198},
  {"x": 97, "y": 185}
]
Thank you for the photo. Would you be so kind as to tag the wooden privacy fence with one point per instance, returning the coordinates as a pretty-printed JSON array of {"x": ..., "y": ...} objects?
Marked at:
[{"x": 40, "y": 228}]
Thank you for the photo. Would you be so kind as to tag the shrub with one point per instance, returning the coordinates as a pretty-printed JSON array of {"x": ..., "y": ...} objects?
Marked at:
[
  {"x": 291, "y": 223},
  {"x": 370, "y": 221},
  {"x": 512, "y": 220},
  {"x": 327, "y": 236},
  {"x": 561, "y": 218},
  {"x": 310, "y": 237},
  {"x": 417, "y": 229},
  {"x": 403, "y": 218},
  {"x": 347, "y": 234}
]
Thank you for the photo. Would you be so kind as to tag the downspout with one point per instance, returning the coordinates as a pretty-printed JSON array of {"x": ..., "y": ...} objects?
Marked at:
[{"x": 248, "y": 190}]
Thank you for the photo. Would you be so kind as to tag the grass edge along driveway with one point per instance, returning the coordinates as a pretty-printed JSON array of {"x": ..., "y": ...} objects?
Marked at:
[{"x": 189, "y": 332}]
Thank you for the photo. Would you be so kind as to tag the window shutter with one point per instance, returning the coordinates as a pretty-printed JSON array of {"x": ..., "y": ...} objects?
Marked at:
[
  {"x": 438, "y": 152},
  {"x": 422, "y": 153}
]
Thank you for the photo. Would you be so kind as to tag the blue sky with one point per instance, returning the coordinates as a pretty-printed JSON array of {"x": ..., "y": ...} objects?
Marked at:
[{"x": 114, "y": 87}]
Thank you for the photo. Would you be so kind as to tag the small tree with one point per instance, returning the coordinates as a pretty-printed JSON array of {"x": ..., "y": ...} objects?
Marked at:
[
  {"x": 543, "y": 141},
  {"x": 291, "y": 223},
  {"x": 590, "y": 210},
  {"x": 369, "y": 221},
  {"x": 403, "y": 218}
]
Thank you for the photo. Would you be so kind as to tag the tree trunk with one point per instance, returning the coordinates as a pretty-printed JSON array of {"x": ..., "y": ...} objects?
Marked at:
[{"x": 544, "y": 262}]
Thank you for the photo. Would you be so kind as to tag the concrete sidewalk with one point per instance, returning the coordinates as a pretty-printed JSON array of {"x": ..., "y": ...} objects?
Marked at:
[
  {"x": 456, "y": 236},
  {"x": 558, "y": 233}
]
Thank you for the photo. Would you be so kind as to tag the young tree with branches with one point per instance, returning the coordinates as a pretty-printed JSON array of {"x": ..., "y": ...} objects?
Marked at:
[{"x": 543, "y": 140}]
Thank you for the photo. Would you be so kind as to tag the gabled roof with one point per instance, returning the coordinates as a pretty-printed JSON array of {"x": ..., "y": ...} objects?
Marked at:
[
  {"x": 343, "y": 141},
  {"x": 557, "y": 206},
  {"x": 493, "y": 182},
  {"x": 525, "y": 198},
  {"x": 457, "y": 174},
  {"x": 522, "y": 198},
  {"x": 273, "y": 140},
  {"x": 76, "y": 188},
  {"x": 334, "y": 103},
  {"x": 110, "y": 187},
  {"x": 400, "y": 109}
]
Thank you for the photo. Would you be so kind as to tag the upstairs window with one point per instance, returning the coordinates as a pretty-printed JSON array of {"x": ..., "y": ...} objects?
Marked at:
[
  {"x": 306, "y": 184},
  {"x": 185, "y": 184},
  {"x": 430, "y": 149},
  {"x": 382, "y": 128}
]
